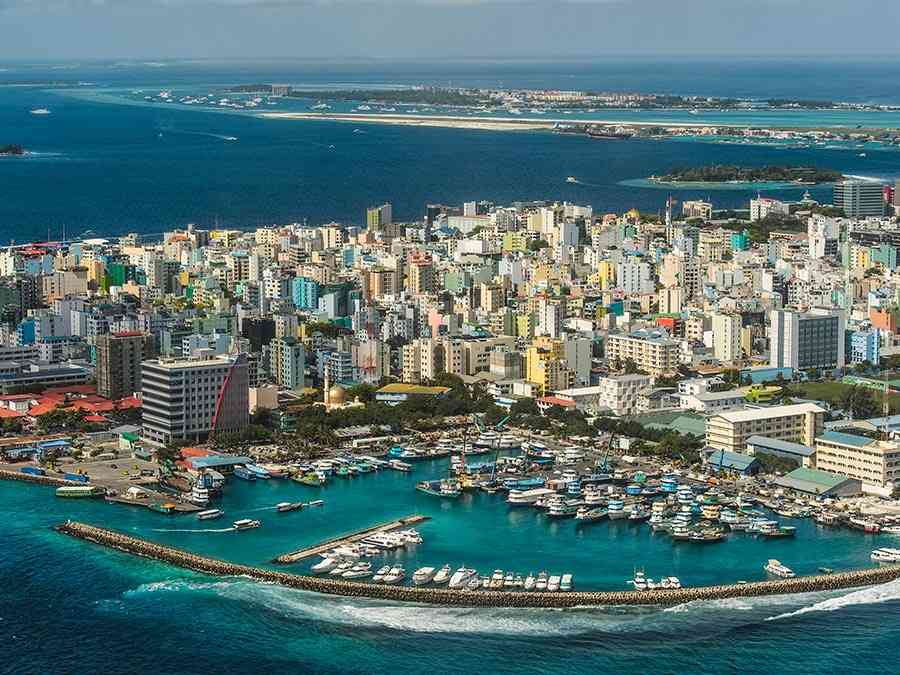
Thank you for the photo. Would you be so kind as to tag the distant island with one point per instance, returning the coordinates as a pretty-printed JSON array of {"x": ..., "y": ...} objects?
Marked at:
[
  {"x": 16, "y": 150},
  {"x": 723, "y": 173}
]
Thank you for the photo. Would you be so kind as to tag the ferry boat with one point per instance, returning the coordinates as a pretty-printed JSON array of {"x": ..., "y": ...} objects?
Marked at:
[
  {"x": 560, "y": 507},
  {"x": 199, "y": 495},
  {"x": 888, "y": 555},
  {"x": 78, "y": 491},
  {"x": 245, "y": 524},
  {"x": 442, "y": 576},
  {"x": 243, "y": 473},
  {"x": 423, "y": 575},
  {"x": 284, "y": 507},
  {"x": 777, "y": 569},
  {"x": 440, "y": 488},
  {"x": 210, "y": 514},
  {"x": 461, "y": 577},
  {"x": 867, "y": 526},
  {"x": 398, "y": 465}
]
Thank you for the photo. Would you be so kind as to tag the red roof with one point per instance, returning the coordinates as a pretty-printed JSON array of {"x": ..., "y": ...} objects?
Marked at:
[
  {"x": 128, "y": 333},
  {"x": 95, "y": 419},
  {"x": 128, "y": 403},
  {"x": 42, "y": 409},
  {"x": 555, "y": 400},
  {"x": 6, "y": 413},
  {"x": 103, "y": 406}
]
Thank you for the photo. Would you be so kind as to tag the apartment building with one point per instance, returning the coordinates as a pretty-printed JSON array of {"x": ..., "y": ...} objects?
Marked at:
[
  {"x": 799, "y": 423},
  {"x": 875, "y": 463},
  {"x": 653, "y": 351}
]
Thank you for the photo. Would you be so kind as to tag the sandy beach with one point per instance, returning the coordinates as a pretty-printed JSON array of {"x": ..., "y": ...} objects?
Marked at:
[{"x": 488, "y": 124}]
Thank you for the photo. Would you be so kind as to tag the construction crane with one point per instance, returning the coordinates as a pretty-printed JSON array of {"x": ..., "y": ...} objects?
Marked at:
[{"x": 604, "y": 465}]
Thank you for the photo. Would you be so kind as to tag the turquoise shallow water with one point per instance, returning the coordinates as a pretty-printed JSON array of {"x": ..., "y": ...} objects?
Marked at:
[{"x": 67, "y": 606}]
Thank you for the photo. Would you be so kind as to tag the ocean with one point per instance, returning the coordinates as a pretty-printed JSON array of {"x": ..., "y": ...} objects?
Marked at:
[{"x": 104, "y": 163}]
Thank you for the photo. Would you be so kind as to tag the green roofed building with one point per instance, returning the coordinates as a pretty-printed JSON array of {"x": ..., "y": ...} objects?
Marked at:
[{"x": 816, "y": 483}]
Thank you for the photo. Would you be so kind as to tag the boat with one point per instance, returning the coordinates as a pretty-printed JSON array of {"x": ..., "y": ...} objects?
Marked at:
[
  {"x": 553, "y": 583},
  {"x": 571, "y": 179},
  {"x": 245, "y": 524},
  {"x": 526, "y": 497},
  {"x": 442, "y": 576},
  {"x": 440, "y": 488},
  {"x": 565, "y": 583},
  {"x": 199, "y": 495},
  {"x": 889, "y": 555},
  {"x": 588, "y": 515},
  {"x": 461, "y": 577},
  {"x": 776, "y": 568},
  {"x": 316, "y": 502},
  {"x": 78, "y": 491},
  {"x": 359, "y": 571},
  {"x": 395, "y": 576},
  {"x": 670, "y": 583},
  {"x": 867, "y": 526},
  {"x": 423, "y": 575},
  {"x": 509, "y": 581},
  {"x": 284, "y": 507},
  {"x": 243, "y": 473},
  {"x": 342, "y": 567},
  {"x": 381, "y": 573},
  {"x": 560, "y": 507},
  {"x": 528, "y": 585},
  {"x": 616, "y": 509},
  {"x": 325, "y": 565},
  {"x": 310, "y": 479},
  {"x": 891, "y": 529},
  {"x": 39, "y": 111},
  {"x": 397, "y": 465},
  {"x": 540, "y": 583},
  {"x": 210, "y": 514},
  {"x": 638, "y": 514},
  {"x": 639, "y": 581},
  {"x": 497, "y": 579}
]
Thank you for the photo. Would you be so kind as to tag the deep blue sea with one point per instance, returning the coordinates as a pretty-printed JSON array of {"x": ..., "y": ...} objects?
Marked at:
[{"x": 104, "y": 162}]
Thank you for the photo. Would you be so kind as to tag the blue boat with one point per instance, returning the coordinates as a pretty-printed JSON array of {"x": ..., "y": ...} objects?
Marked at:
[
  {"x": 258, "y": 471},
  {"x": 523, "y": 483},
  {"x": 668, "y": 484},
  {"x": 242, "y": 473},
  {"x": 633, "y": 489}
]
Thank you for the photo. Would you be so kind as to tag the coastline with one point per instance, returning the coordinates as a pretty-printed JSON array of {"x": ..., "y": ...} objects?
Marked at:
[{"x": 449, "y": 122}]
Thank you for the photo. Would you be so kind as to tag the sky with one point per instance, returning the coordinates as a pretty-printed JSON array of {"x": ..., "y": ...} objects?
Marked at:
[{"x": 436, "y": 29}]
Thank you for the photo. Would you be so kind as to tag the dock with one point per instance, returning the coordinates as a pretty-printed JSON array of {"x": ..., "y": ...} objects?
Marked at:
[
  {"x": 310, "y": 551},
  {"x": 180, "y": 506}
]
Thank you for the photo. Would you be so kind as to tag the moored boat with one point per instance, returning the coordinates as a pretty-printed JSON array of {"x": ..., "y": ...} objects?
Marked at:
[
  {"x": 778, "y": 569},
  {"x": 210, "y": 514}
]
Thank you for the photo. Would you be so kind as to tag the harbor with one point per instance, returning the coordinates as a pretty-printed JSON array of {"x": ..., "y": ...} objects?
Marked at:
[{"x": 466, "y": 598}]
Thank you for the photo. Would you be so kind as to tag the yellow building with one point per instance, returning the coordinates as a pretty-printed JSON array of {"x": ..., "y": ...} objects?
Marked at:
[
  {"x": 606, "y": 272},
  {"x": 525, "y": 325},
  {"x": 514, "y": 242},
  {"x": 545, "y": 368}
]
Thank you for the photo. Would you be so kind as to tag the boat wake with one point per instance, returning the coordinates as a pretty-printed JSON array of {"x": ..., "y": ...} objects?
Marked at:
[
  {"x": 208, "y": 134},
  {"x": 224, "y": 529},
  {"x": 866, "y": 596}
]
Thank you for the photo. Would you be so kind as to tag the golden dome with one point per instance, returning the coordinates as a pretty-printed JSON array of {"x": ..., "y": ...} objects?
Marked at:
[{"x": 337, "y": 395}]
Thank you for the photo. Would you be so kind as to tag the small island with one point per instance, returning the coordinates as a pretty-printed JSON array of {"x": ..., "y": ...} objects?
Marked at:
[
  {"x": 14, "y": 150},
  {"x": 723, "y": 173}
]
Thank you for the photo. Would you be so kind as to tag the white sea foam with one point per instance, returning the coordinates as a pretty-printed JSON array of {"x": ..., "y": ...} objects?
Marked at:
[
  {"x": 224, "y": 529},
  {"x": 866, "y": 596}
]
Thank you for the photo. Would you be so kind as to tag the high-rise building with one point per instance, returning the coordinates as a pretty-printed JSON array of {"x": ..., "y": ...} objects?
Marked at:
[
  {"x": 765, "y": 206},
  {"x": 379, "y": 217},
  {"x": 190, "y": 399},
  {"x": 804, "y": 341},
  {"x": 119, "y": 357},
  {"x": 726, "y": 330},
  {"x": 859, "y": 198},
  {"x": 288, "y": 362},
  {"x": 421, "y": 273},
  {"x": 696, "y": 209}
]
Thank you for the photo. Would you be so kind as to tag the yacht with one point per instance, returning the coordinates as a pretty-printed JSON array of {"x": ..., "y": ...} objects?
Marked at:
[
  {"x": 565, "y": 584},
  {"x": 889, "y": 555},
  {"x": 381, "y": 574},
  {"x": 325, "y": 565},
  {"x": 540, "y": 583},
  {"x": 210, "y": 514},
  {"x": 245, "y": 524},
  {"x": 423, "y": 575},
  {"x": 571, "y": 179},
  {"x": 553, "y": 583},
  {"x": 670, "y": 583},
  {"x": 395, "y": 576},
  {"x": 497, "y": 579},
  {"x": 475, "y": 583},
  {"x": 359, "y": 571},
  {"x": 775, "y": 568},
  {"x": 509, "y": 581},
  {"x": 461, "y": 577},
  {"x": 338, "y": 571},
  {"x": 639, "y": 581},
  {"x": 529, "y": 582},
  {"x": 442, "y": 576}
]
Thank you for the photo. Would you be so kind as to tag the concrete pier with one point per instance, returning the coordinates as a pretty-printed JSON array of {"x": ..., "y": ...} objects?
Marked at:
[
  {"x": 32, "y": 478},
  {"x": 466, "y": 598},
  {"x": 310, "y": 551}
]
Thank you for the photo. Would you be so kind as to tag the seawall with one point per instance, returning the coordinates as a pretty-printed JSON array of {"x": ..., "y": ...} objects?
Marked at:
[
  {"x": 466, "y": 598},
  {"x": 31, "y": 478}
]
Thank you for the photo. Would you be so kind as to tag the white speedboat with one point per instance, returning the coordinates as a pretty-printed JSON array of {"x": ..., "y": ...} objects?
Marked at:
[
  {"x": 442, "y": 576},
  {"x": 529, "y": 582},
  {"x": 553, "y": 583},
  {"x": 497, "y": 579},
  {"x": 423, "y": 575},
  {"x": 670, "y": 583},
  {"x": 395, "y": 576},
  {"x": 359, "y": 571},
  {"x": 775, "y": 568},
  {"x": 461, "y": 577},
  {"x": 245, "y": 524},
  {"x": 381, "y": 573},
  {"x": 325, "y": 565},
  {"x": 210, "y": 514},
  {"x": 888, "y": 555},
  {"x": 540, "y": 583}
]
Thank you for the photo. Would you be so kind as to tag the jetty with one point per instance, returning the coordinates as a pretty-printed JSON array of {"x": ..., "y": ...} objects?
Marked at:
[
  {"x": 475, "y": 598},
  {"x": 5, "y": 474},
  {"x": 310, "y": 551}
]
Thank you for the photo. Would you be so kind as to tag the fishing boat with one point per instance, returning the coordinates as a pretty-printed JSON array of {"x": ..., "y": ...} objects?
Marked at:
[
  {"x": 442, "y": 576},
  {"x": 210, "y": 514},
  {"x": 867, "y": 526},
  {"x": 461, "y": 577},
  {"x": 586, "y": 514},
  {"x": 776, "y": 532},
  {"x": 242, "y": 473},
  {"x": 284, "y": 507},
  {"x": 776, "y": 568},
  {"x": 440, "y": 488},
  {"x": 616, "y": 510},
  {"x": 245, "y": 524},
  {"x": 423, "y": 575},
  {"x": 887, "y": 555}
]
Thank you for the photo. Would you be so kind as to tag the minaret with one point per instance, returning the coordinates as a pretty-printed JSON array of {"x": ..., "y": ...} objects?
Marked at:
[{"x": 327, "y": 399}]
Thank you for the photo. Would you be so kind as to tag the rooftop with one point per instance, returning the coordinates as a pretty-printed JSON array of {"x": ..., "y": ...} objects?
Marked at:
[
  {"x": 783, "y": 446},
  {"x": 728, "y": 460},
  {"x": 811, "y": 480},
  {"x": 841, "y": 438},
  {"x": 412, "y": 389},
  {"x": 773, "y": 411}
]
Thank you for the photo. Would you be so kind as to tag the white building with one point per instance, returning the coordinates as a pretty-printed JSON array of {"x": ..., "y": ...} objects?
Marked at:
[
  {"x": 618, "y": 394},
  {"x": 726, "y": 334}
]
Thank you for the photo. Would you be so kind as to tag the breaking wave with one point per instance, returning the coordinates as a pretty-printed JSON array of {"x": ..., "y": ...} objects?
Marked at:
[{"x": 866, "y": 596}]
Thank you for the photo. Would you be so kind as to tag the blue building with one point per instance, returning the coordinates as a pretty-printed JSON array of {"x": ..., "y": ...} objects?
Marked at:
[
  {"x": 305, "y": 293},
  {"x": 863, "y": 345},
  {"x": 732, "y": 462}
]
